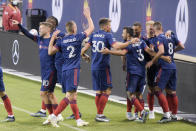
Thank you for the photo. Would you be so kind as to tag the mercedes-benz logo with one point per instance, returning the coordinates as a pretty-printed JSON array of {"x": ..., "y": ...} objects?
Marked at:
[
  {"x": 57, "y": 9},
  {"x": 115, "y": 14},
  {"x": 15, "y": 52},
  {"x": 182, "y": 20}
]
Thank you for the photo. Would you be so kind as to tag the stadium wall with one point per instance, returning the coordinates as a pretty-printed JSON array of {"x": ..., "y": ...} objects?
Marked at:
[
  {"x": 21, "y": 54},
  {"x": 177, "y": 15}
]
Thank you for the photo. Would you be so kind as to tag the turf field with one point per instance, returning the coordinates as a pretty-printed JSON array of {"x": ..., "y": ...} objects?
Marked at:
[{"x": 24, "y": 95}]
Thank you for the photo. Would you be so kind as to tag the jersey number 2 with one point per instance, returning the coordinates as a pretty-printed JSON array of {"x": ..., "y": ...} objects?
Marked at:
[{"x": 72, "y": 49}]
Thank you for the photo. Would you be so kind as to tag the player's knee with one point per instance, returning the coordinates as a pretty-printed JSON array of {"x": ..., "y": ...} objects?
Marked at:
[
  {"x": 108, "y": 91},
  {"x": 43, "y": 93},
  {"x": 157, "y": 89},
  {"x": 2, "y": 93}
]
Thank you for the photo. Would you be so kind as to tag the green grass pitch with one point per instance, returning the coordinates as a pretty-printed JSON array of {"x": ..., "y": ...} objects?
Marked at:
[{"x": 24, "y": 95}]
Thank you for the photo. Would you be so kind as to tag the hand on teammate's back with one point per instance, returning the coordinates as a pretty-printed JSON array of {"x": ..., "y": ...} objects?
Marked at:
[{"x": 56, "y": 33}]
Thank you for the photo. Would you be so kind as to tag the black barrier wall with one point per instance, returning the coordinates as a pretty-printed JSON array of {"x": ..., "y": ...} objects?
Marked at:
[{"x": 29, "y": 62}]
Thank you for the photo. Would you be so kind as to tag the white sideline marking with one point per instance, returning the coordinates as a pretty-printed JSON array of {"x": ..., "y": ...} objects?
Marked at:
[{"x": 28, "y": 112}]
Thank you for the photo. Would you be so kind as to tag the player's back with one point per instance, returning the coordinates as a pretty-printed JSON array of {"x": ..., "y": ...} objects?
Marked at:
[
  {"x": 169, "y": 46},
  {"x": 70, "y": 46},
  {"x": 98, "y": 41},
  {"x": 135, "y": 58}
]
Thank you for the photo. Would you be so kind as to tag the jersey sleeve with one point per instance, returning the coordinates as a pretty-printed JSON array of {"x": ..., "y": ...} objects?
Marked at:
[
  {"x": 160, "y": 41},
  {"x": 90, "y": 39},
  {"x": 128, "y": 48},
  {"x": 81, "y": 36},
  {"x": 58, "y": 44},
  {"x": 174, "y": 37},
  {"x": 144, "y": 45},
  {"x": 29, "y": 35},
  {"x": 110, "y": 39}
]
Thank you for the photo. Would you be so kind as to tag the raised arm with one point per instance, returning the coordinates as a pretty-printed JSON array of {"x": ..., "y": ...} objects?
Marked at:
[
  {"x": 24, "y": 31},
  {"x": 91, "y": 27},
  {"x": 52, "y": 49}
]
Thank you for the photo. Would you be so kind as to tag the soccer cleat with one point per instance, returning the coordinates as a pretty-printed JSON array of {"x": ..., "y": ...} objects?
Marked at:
[
  {"x": 53, "y": 119},
  {"x": 136, "y": 116},
  {"x": 47, "y": 121},
  {"x": 130, "y": 116},
  {"x": 73, "y": 117},
  {"x": 9, "y": 119},
  {"x": 164, "y": 120},
  {"x": 39, "y": 114},
  {"x": 82, "y": 123},
  {"x": 144, "y": 116},
  {"x": 174, "y": 118},
  {"x": 102, "y": 119},
  {"x": 151, "y": 115},
  {"x": 60, "y": 118}
]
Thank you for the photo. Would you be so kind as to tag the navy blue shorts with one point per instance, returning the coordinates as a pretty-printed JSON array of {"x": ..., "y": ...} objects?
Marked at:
[
  {"x": 102, "y": 79},
  {"x": 58, "y": 67},
  {"x": 49, "y": 81},
  {"x": 2, "y": 88},
  {"x": 135, "y": 83},
  {"x": 166, "y": 78},
  {"x": 70, "y": 80}
]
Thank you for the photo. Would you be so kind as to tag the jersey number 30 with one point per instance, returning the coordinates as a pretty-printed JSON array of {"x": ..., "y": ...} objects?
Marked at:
[
  {"x": 97, "y": 46},
  {"x": 71, "y": 49}
]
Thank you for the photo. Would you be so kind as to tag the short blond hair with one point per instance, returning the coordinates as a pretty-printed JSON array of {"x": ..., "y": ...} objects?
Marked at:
[{"x": 150, "y": 22}]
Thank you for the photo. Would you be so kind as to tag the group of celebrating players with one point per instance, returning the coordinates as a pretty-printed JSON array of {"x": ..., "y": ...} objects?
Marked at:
[{"x": 60, "y": 56}]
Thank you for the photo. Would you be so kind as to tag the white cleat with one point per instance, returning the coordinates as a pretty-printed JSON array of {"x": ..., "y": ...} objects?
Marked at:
[
  {"x": 130, "y": 116},
  {"x": 60, "y": 118},
  {"x": 151, "y": 115},
  {"x": 81, "y": 123},
  {"x": 47, "y": 122},
  {"x": 53, "y": 120}
]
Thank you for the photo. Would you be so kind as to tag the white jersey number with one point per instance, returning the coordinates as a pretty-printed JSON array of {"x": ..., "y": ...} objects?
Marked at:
[
  {"x": 170, "y": 50},
  {"x": 96, "y": 46},
  {"x": 141, "y": 56},
  {"x": 71, "y": 49}
]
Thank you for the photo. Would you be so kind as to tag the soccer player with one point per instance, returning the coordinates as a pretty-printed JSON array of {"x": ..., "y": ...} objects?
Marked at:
[
  {"x": 101, "y": 76},
  {"x": 6, "y": 100},
  {"x": 174, "y": 45},
  {"x": 125, "y": 36},
  {"x": 48, "y": 71},
  {"x": 166, "y": 76},
  {"x": 135, "y": 70},
  {"x": 58, "y": 65},
  {"x": 70, "y": 46}
]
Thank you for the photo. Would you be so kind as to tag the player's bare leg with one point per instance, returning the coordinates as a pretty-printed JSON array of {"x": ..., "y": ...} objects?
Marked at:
[
  {"x": 150, "y": 100},
  {"x": 164, "y": 104},
  {"x": 101, "y": 105},
  {"x": 8, "y": 107},
  {"x": 173, "y": 103}
]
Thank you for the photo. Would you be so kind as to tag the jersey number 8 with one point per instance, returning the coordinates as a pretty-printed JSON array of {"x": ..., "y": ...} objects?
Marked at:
[{"x": 170, "y": 50}]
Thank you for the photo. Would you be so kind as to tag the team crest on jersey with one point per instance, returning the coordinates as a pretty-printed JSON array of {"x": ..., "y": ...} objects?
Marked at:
[{"x": 157, "y": 42}]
